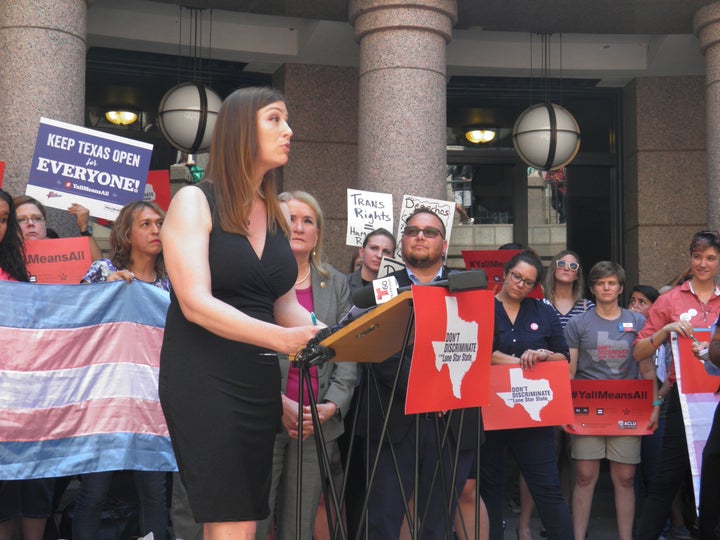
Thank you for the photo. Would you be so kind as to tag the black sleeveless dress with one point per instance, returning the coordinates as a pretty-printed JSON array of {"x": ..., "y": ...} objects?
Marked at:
[{"x": 221, "y": 398}]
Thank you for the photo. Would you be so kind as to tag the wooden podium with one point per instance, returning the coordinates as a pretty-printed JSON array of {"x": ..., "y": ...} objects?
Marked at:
[
  {"x": 370, "y": 339},
  {"x": 376, "y": 335}
]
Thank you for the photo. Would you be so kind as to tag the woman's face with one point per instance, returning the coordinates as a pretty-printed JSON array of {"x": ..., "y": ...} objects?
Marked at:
[
  {"x": 639, "y": 303},
  {"x": 520, "y": 280},
  {"x": 304, "y": 229},
  {"x": 32, "y": 222},
  {"x": 377, "y": 247},
  {"x": 273, "y": 133},
  {"x": 563, "y": 272},
  {"x": 4, "y": 215},
  {"x": 145, "y": 232},
  {"x": 704, "y": 263}
]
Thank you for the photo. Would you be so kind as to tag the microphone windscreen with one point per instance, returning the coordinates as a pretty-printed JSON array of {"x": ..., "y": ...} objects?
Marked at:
[{"x": 364, "y": 297}]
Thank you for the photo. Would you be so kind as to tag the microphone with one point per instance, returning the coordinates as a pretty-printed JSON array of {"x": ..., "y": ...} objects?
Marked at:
[{"x": 456, "y": 282}]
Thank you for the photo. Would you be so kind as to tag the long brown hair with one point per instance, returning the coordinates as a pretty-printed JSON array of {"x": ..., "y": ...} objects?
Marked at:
[
  {"x": 578, "y": 286},
  {"x": 231, "y": 165},
  {"x": 120, "y": 247}
]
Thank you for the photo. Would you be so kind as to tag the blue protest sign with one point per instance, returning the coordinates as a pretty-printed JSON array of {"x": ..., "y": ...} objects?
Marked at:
[{"x": 100, "y": 171}]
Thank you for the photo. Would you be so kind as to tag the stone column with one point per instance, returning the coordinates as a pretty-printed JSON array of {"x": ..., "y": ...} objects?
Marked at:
[
  {"x": 42, "y": 73},
  {"x": 402, "y": 103},
  {"x": 706, "y": 25}
]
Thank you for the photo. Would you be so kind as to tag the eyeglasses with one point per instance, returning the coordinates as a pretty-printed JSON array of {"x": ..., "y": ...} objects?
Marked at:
[
  {"x": 30, "y": 219},
  {"x": 428, "y": 232},
  {"x": 570, "y": 265},
  {"x": 518, "y": 280}
]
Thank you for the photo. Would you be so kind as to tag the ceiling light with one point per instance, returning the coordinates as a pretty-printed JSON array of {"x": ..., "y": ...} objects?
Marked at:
[
  {"x": 479, "y": 135},
  {"x": 121, "y": 118}
]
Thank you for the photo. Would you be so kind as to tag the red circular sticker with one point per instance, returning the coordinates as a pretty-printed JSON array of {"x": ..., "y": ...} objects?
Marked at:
[{"x": 534, "y": 326}]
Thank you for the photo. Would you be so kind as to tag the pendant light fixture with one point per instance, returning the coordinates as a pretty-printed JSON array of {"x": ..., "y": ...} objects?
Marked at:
[
  {"x": 188, "y": 111},
  {"x": 545, "y": 135}
]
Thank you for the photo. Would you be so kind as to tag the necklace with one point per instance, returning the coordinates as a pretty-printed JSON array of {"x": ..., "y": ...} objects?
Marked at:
[{"x": 299, "y": 281}]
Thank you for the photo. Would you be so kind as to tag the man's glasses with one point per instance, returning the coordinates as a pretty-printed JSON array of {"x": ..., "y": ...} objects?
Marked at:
[
  {"x": 518, "y": 280},
  {"x": 30, "y": 219},
  {"x": 570, "y": 265},
  {"x": 428, "y": 232}
]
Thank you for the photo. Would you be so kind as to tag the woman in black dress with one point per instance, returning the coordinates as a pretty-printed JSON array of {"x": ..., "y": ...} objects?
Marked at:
[{"x": 232, "y": 308}]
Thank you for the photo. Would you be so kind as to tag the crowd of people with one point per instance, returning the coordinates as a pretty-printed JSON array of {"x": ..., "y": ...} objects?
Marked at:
[{"x": 249, "y": 287}]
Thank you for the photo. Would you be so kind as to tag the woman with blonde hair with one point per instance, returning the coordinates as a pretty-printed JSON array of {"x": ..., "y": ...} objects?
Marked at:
[{"x": 324, "y": 291}]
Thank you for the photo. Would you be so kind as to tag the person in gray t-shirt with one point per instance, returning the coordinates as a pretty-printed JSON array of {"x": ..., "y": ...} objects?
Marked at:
[{"x": 601, "y": 348}]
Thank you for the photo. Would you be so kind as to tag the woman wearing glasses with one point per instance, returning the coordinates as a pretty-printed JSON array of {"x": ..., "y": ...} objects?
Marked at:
[
  {"x": 527, "y": 331},
  {"x": 692, "y": 305},
  {"x": 32, "y": 218}
]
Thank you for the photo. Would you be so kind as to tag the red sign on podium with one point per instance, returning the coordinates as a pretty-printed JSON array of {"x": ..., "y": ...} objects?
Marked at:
[{"x": 453, "y": 344}]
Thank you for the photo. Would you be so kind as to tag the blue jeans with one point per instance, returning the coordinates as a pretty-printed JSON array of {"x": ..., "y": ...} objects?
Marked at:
[
  {"x": 151, "y": 490},
  {"x": 534, "y": 452}
]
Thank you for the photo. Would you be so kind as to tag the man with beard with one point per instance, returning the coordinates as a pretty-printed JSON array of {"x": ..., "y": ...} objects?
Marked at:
[{"x": 423, "y": 247}]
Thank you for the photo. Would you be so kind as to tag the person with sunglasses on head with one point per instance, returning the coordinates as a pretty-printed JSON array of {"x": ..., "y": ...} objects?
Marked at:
[
  {"x": 565, "y": 286},
  {"x": 32, "y": 218},
  {"x": 423, "y": 247},
  {"x": 693, "y": 304},
  {"x": 527, "y": 331}
]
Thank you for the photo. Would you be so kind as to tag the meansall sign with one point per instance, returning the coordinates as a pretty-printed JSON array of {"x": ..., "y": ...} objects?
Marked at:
[
  {"x": 73, "y": 164},
  {"x": 63, "y": 261}
]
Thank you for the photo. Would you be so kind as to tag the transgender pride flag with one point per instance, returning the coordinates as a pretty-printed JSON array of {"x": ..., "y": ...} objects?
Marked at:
[{"x": 78, "y": 379}]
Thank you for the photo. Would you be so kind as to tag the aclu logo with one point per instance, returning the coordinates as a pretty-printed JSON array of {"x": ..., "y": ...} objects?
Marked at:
[{"x": 627, "y": 424}]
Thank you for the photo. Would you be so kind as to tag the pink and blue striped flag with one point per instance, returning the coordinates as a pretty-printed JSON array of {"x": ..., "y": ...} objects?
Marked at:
[{"x": 78, "y": 379}]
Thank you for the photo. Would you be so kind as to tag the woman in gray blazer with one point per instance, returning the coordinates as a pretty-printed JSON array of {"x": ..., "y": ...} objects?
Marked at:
[{"x": 322, "y": 290}]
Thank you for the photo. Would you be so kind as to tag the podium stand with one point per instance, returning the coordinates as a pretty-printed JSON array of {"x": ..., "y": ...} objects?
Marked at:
[{"x": 372, "y": 339}]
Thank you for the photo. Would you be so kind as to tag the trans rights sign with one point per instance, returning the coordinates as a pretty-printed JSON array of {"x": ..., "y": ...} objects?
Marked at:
[{"x": 100, "y": 171}]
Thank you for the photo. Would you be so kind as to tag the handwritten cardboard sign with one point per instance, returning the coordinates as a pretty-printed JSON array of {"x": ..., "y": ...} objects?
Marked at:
[{"x": 367, "y": 211}]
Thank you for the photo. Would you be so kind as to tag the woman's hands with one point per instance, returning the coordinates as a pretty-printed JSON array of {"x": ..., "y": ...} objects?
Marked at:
[
  {"x": 683, "y": 328},
  {"x": 127, "y": 275},
  {"x": 530, "y": 357},
  {"x": 296, "y": 337},
  {"x": 290, "y": 417}
]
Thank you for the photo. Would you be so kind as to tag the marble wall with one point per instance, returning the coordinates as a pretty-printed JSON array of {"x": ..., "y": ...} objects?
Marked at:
[
  {"x": 665, "y": 175},
  {"x": 323, "y": 110}
]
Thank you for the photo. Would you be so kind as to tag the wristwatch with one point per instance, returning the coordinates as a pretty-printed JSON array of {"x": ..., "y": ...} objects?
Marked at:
[{"x": 87, "y": 231}]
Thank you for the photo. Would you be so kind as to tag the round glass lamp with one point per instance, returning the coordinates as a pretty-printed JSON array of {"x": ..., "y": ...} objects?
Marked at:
[
  {"x": 546, "y": 136},
  {"x": 187, "y": 116}
]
